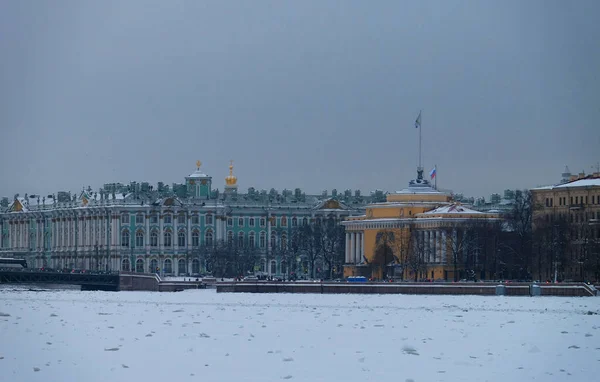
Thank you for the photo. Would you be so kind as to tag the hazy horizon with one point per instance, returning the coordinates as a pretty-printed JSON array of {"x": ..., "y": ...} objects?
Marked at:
[{"x": 316, "y": 95}]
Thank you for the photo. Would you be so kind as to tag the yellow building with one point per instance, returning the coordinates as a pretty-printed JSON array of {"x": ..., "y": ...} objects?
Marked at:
[
  {"x": 418, "y": 233},
  {"x": 566, "y": 222}
]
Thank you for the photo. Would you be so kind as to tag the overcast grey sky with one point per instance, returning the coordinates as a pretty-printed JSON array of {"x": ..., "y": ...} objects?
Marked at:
[{"x": 310, "y": 94}]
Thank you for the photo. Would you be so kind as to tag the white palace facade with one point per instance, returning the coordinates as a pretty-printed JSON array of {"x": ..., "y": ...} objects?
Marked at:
[{"x": 142, "y": 229}]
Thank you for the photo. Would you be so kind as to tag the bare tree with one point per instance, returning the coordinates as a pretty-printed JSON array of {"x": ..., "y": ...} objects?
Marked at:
[
  {"x": 332, "y": 244},
  {"x": 416, "y": 253},
  {"x": 310, "y": 245},
  {"x": 384, "y": 254}
]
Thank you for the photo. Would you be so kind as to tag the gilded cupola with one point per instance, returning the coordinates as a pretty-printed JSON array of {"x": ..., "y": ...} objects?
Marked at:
[{"x": 231, "y": 180}]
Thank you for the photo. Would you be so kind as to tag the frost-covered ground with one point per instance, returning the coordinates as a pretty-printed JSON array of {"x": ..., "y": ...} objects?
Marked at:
[{"x": 201, "y": 335}]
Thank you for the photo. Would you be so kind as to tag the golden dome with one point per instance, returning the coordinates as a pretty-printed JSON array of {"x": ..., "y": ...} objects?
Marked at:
[{"x": 231, "y": 180}]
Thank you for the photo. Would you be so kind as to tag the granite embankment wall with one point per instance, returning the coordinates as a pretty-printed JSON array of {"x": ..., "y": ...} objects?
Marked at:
[
  {"x": 489, "y": 289},
  {"x": 129, "y": 281}
]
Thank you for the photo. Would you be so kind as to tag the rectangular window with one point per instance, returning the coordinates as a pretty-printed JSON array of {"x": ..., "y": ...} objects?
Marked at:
[
  {"x": 181, "y": 219},
  {"x": 139, "y": 219},
  {"x": 240, "y": 222},
  {"x": 251, "y": 222},
  {"x": 586, "y": 199},
  {"x": 125, "y": 219},
  {"x": 577, "y": 200},
  {"x": 195, "y": 219},
  {"x": 229, "y": 222},
  {"x": 195, "y": 240},
  {"x": 167, "y": 219},
  {"x": 154, "y": 240},
  {"x": 154, "y": 219},
  {"x": 209, "y": 219},
  {"x": 262, "y": 222},
  {"x": 571, "y": 201}
]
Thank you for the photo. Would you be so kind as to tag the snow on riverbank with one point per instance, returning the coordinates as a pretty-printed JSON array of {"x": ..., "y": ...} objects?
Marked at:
[{"x": 143, "y": 336}]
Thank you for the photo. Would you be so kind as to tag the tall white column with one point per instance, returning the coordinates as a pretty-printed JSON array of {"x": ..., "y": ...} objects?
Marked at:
[
  {"x": 161, "y": 234},
  {"x": 359, "y": 252},
  {"x": 188, "y": 242},
  {"x": 362, "y": 247},
  {"x": 353, "y": 246},
  {"x": 347, "y": 260},
  {"x": 432, "y": 246},
  {"x": 147, "y": 233}
]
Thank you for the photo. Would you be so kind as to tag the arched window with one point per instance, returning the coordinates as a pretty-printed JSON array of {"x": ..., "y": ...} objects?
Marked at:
[
  {"x": 283, "y": 221},
  {"x": 263, "y": 265},
  {"x": 273, "y": 267},
  {"x": 294, "y": 222},
  {"x": 154, "y": 239},
  {"x": 240, "y": 240},
  {"x": 263, "y": 240},
  {"x": 209, "y": 238},
  {"x": 139, "y": 238},
  {"x": 251, "y": 222},
  {"x": 181, "y": 267},
  {"x": 262, "y": 222},
  {"x": 273, "y": 239},
  {"x": 284, "y": 269},
  {"x": 283, "y": 241},
  {"x": 195, "y": 238},
  {"x": 139, "y": 266},
  {"x": 125, "y": 238},
  {"x": 195, "y": 266},
  {"x": 168, "y": 268},
  {"x": 251, "y": 240},
  {"x": 181, "y": 239},
  {"x": 230, "y": 237},
  {"x": 167, "y": 238},
  {"x": 125, "y": 265},
  {"x": 153, "y": 266},
  {"x": 304, "y": 221}
]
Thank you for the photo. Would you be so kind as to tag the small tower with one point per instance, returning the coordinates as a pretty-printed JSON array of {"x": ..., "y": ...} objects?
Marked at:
[
  {"x": 198, "y": 184},
  {"x": 566, "y": 175},
  {"x": 231, "y": 186}
]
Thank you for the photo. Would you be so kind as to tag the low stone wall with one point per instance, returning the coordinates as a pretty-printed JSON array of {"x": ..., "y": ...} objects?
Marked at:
[
  {"x": 129, "y": 281},
  {"x": 178, "y": 286},
  {"x": 484, "y": 289}
]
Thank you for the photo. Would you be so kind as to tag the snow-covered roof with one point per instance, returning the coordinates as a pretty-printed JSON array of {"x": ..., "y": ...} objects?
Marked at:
[
  {"x": 576, "y": 183},
  {"x": 419, "y": 190},
  {"x": 198, "y": 174},
  {"x": 452, "y": 209}
]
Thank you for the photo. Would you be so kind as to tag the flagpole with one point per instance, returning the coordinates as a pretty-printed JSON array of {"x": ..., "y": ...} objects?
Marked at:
[
  {"x": 420, "y": 127},
  {"x": 436, "y": 175}
]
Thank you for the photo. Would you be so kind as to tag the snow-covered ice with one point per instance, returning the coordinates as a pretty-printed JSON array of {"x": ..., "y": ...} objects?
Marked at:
[{"x": 68, "y": 335}]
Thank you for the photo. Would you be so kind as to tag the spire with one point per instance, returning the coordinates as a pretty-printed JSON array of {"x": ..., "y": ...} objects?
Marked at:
[{"x": 231, "y": 180}]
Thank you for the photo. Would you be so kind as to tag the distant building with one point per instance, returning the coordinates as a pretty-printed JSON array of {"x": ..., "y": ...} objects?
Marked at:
[
  {"x": 566, "y": 222},
  {"x": 416, "y": 234},
  {"x": 139, "y": 228}
]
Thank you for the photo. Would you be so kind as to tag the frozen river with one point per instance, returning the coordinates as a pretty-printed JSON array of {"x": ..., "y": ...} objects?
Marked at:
[{"x": 69, "y": 335}]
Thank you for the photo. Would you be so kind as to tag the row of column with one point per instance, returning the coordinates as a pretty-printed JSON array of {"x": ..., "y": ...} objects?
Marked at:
[
  {"x": 433, "y": 244},
  {"x": 355, "y": 247}
]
